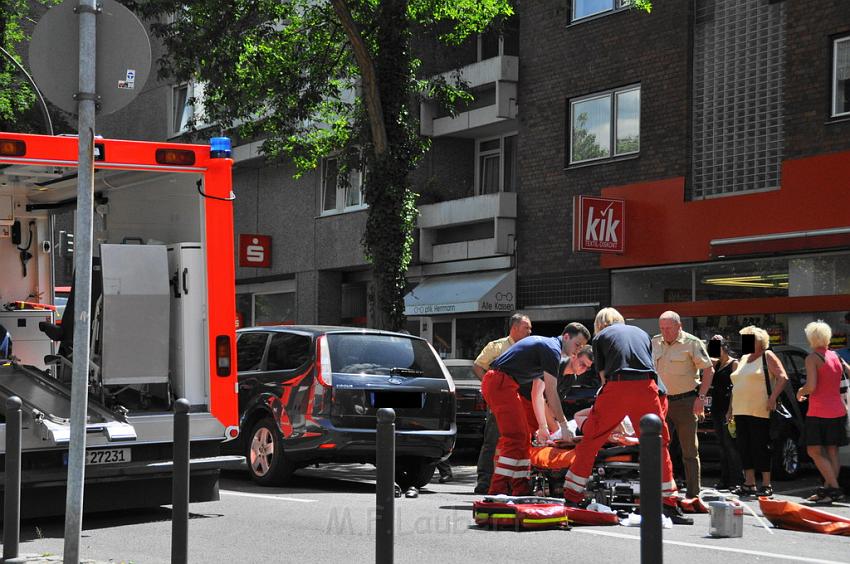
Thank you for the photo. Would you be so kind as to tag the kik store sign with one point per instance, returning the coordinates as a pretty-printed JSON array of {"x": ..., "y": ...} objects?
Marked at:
[{"x": 599, "y": 224}]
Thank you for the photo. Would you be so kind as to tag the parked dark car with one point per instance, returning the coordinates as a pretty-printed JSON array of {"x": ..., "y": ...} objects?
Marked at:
[
  {"x": 309, "y": 394},
  {"x": 788, "y": 452},
  {"x": 471, "y": 407}
]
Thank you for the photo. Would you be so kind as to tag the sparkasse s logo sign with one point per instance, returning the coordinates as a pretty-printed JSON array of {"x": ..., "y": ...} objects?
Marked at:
[
  {"x": 255, "y": 251},
  {"x": 599, "y": 224}
]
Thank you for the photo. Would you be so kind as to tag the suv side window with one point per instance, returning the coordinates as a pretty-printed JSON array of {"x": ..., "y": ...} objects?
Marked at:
[
  {"x": 288, "y": 351},
  {"x": 249, "y": 351}
]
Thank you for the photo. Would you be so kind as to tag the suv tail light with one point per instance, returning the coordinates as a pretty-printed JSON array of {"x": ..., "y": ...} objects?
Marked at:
[
  {"x": 480, "y": 404},
  {"x": 323, "y": 362}
]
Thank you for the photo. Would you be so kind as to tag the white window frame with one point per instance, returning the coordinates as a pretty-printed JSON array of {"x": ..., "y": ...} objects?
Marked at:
[
  {"x": 612, "y": 97},
  {"x": 342, "y": 192},
  {"x": 616, "y": 6},
  {"x": 500, "y": 152},
  {"x": 196, "y": 111},
  {"x": 835, "y": 44}
]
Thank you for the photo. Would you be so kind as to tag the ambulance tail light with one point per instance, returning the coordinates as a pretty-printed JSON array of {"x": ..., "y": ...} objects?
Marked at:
[
  {"x": 12, "y": 148},
  {"x": 324, "y": 372},
  {"x": 175, "y": 157},
  {"x": 222, "y": 355}
]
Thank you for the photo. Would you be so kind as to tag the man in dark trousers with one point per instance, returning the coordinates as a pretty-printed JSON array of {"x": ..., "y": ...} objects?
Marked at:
[
  {"x": 533, "y": 360},
  {"x": 630, "y": 386}
]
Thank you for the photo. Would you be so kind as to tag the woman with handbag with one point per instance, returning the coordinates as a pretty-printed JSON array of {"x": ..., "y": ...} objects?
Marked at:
[
  {"x": 756, "y": 387},
  {"x": 825, "y": 421}
]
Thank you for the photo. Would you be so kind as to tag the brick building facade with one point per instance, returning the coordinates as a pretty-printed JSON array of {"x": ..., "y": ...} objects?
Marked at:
[{"x": 707, "y": 175}]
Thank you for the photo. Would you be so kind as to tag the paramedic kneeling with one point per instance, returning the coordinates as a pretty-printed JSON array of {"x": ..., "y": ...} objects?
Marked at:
[
  {"x": 623, "y": 356},
  {"x": 532, "y": 360}
]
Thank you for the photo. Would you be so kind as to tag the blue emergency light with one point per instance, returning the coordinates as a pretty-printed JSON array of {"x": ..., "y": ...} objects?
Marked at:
[{"x": 220, "y": 148}]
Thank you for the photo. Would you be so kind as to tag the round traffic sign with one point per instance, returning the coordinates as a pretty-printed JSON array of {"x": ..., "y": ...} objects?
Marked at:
[{"x": 123, "y": 56}]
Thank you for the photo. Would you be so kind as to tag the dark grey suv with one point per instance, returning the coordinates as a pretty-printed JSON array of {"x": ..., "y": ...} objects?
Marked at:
[{"x": 309, "y": 394}]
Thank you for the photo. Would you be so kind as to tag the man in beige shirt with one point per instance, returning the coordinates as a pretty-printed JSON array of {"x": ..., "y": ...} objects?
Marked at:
[
  {"x": 520, "y": 328},
  {"x": 679, "y": 356}
]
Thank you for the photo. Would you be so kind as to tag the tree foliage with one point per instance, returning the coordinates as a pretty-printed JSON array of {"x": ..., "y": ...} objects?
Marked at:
[
  {"x": 313, "y": 78},
  {"x": 18, "y": 111}
]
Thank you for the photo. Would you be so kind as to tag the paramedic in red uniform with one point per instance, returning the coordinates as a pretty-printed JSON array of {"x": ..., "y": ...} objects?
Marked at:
[
  {"x": 532, "y": 360},
  {"x": 630, "y": 386}
]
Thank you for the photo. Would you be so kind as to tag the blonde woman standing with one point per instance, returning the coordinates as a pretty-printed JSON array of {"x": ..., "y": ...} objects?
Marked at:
[
  {"x": 751, "y": 407},
  {"x": 825, "y": 419}
]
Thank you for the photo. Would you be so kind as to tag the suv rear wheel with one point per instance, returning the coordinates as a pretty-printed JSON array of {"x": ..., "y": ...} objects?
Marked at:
[
  {"x": 266, "y": 462},
  {"x": 414, "y": 472},
  {"x": 786, "y": 458}
]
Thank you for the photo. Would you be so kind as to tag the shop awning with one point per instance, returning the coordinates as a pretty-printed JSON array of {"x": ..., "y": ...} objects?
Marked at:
[{"x": 463, "y": 293}]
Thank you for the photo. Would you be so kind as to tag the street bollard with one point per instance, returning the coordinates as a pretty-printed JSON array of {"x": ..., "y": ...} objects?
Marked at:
[
  {"x": 180, "y": 485},
  {"x": 12, "y": 501},
  {"x": 650, "y": 489},
  {"x": 385, "y": 487}
]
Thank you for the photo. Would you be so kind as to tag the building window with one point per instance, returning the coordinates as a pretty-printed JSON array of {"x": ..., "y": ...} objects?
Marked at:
[
  {"x": 738, "y": 97},
  {"x": 605, "y": 125},
  {"x": 274, "y": 309},
  {"x": 187, "y": 107},
  {"x": 841, "y": 77},
  {"x": 496, "y": 167},
  {"x": 586, "y": 8},
  {"x": 499, "y": 40},
  {"x": 340, "y": 196}
]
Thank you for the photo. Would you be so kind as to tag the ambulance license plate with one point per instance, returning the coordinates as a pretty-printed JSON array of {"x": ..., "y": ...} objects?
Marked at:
[{"x": 107, "y": 456}]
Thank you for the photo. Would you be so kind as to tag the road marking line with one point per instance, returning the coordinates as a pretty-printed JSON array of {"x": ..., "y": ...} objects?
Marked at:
[
  {"x": 267, "y": 496},
  {"x": 709, "y": 547}
]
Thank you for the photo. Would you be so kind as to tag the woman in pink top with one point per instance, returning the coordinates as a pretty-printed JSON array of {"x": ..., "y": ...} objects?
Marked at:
[{"x": 825, "y": 419}]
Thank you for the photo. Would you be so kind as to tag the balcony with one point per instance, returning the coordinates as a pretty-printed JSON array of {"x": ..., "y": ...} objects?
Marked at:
[
  {"x": 468, "y": 228},
  {"x": 494, "y": 81}
]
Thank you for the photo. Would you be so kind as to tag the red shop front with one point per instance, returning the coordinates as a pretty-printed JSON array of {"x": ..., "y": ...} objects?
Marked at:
[{"x": 777, "y": 258}]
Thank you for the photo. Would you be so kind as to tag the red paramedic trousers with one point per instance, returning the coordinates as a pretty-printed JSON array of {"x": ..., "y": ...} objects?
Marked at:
[
  {"x": 515, "y": 419},
  {"x": 617, "y": 399}
]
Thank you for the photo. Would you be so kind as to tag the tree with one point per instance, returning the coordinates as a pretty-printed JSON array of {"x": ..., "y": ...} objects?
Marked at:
[
  {"x": 18, "y": 110},
  {"x": 317, "y": 77}
]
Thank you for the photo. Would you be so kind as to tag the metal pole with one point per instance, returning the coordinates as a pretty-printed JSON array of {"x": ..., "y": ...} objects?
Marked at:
[
  {"x": 87, "y": 13},
  {"x": 12, "y": 500},
  {"x": 650, "y": 489},
  {"x": 385, "y": 487},
  {"x": 180, "y": 485}
]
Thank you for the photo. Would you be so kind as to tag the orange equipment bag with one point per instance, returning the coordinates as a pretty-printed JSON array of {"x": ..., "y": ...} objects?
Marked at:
[{"x": 796, "y": 517}]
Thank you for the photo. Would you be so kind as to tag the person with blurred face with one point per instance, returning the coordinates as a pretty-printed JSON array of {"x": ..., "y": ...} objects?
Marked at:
[
  {"x": 751, "y": 406},
  {"x": 679, "y": 356},
  {"x": 721, "y": 394},
  {"x": 535, "y": 361},
  {"x": 520, "y": 328}
]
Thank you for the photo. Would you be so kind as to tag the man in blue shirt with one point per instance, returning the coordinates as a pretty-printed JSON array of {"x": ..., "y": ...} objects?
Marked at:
[{"x": 532, "y": 360}]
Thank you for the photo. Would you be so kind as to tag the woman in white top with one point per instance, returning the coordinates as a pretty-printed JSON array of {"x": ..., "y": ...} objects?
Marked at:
[{"x": 751, "y": 407}]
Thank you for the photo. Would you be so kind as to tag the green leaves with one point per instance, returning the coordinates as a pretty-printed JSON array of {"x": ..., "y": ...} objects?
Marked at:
[{"x": 286, "y": 72}]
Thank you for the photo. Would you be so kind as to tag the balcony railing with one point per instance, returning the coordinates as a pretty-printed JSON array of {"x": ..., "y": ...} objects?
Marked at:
[
  {"x": 503, "y": 73},
  {"x": 499, "y": 210}
]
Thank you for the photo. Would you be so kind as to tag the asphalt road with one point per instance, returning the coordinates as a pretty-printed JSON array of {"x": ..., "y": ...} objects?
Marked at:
[{"x": 327, "y": 515}]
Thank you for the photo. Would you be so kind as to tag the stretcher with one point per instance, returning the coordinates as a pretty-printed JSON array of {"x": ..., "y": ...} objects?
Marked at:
[{"x": 614, "y": 482}]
